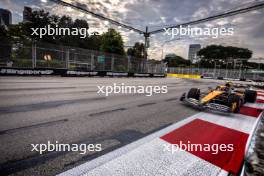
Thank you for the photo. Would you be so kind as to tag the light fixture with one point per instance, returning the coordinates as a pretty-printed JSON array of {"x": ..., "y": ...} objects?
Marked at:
[
  {"x": 106, "y": 22},
  {"x": 69, "y": 9},
  {"x": 47, "y": 57}
]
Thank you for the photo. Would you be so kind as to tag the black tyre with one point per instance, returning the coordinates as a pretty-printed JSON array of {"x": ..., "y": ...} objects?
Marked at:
[
  {"x": 194, "y": 93},
  {"x": 250, "y": 96},
  {"x": 234, "y": 102},
  {"x": 183, "y": 97}
]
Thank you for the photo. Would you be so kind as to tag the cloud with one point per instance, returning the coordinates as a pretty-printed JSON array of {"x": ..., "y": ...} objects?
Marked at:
[{"x": 156, "y": 14}]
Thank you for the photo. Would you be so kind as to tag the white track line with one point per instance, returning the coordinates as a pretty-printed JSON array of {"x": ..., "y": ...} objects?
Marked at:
[
  {"x": 260, "y": 97},
  {"x": 234, "y": 121},
  {"x": 79, "y": 170},
  {"x": 150, "y": 159},
  {"x": 255, "y": 105}
]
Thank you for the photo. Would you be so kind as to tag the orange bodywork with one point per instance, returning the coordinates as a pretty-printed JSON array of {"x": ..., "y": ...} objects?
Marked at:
[{"x": 211, "y": 95}]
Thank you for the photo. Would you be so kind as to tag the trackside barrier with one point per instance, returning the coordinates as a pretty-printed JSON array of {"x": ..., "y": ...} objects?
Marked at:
[
  {"x": 201, "y": 76},
  {"x": 184, "y": 76},
  {"x": 251, "y": 143},
  {"x": 222, "y": 78},
  {"x": 72, "y": 73},
  {"x": 234, "y": 73}
]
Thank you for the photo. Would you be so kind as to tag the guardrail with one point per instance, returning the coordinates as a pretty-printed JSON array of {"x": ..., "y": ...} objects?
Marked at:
[
  {"x": 251, "y": 147},
  {"x": 216, "y": 73}
]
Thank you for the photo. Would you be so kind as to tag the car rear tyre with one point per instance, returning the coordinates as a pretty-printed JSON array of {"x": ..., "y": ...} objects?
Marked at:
[
  {"x": 250, "y": 96},
  {"x": 234, "y": 102},
  {"x": 194, "y": 93}
]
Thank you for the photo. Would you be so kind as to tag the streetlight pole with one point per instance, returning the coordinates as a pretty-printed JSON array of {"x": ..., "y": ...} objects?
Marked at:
[{"x": 146, "y": 36}]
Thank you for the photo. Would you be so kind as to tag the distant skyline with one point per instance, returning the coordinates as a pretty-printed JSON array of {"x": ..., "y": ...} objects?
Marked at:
[{"x": 248, "y": 28}]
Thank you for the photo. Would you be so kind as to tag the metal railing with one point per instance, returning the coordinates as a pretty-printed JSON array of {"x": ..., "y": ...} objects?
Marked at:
[
  {"x": 46, "y": 55},
  {"x": 220, "y": 73}
]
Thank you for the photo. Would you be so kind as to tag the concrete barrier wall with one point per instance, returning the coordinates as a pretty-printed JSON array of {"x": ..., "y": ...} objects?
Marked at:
[{"x": 65, "y": 72}]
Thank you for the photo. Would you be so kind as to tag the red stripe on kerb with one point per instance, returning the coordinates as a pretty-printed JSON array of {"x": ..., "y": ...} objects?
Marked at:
[
  {"x": 249, "y": 111},
  {"x": 260, "y": 101},
  {"x": 203, "y": 132}
]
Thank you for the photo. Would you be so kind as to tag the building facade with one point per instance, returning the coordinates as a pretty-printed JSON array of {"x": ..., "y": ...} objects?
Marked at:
[
  {"x": 27, "y": 14},
  {"x": 5, "y": 17}
]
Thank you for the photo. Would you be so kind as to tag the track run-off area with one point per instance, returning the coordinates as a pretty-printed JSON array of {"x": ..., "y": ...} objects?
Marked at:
[{"x": 133, "y": 129}]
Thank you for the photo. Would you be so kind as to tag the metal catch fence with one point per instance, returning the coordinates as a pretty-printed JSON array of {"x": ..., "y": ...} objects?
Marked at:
[
  {"x": 221, "y": 73},
  {"x": 46, "y": 55}
]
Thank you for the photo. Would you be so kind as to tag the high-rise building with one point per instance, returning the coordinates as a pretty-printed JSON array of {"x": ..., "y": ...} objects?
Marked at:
[
  {"x": 27, "y": 14},
  {"x": 5, "y": 17},
  {"x": 193, "y": 49}
]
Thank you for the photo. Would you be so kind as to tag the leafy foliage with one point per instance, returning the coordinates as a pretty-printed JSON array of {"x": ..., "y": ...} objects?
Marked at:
[
  {"x": 137, "y": 50},
  {"x": 222, "y": 55},
  {"x": 136, "y": 53},
  {"x": 110, "y": 41},
  {"x": 174, "y": 60}
]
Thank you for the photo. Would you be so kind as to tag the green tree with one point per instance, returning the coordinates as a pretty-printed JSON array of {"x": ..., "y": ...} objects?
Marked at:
[
  {"x": 40, "y": 19},
  {"x": 5, "y": 48},
  {"x": 174, "y": 60},
  {"x": 112, "y": 42},
  {"x": 17, "y": 33},
  {"x": 4, "y": 36},
  {"x": 153, "y": 61},
  {"x": 136, "y": 54},
  {"x": 220, "y": 55},
  {"x": 137, "y": 50},
  {"x": 94, "y": 42}
]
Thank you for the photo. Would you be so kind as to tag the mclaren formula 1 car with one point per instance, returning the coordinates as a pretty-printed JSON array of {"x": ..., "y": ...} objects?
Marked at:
[{"x": 224, "y": 98}]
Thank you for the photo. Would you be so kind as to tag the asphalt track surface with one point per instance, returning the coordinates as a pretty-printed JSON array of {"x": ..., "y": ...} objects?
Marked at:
[
  {"x": 34, "y": 110},
  {"x": 155, "y": 155}
]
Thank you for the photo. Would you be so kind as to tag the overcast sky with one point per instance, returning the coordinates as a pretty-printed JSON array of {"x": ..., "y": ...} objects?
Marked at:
[{"x": 248, "y": 28}]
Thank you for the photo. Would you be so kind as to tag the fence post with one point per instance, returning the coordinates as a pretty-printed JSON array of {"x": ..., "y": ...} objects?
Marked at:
[
  {"x": 112, "y": 63},
  {"x": 34, "y": 54},
  {"x": 214, "y": 69},
  {"x": 240, "y": 71},
  {"x": 92, "y": 61},
  {"x": 128, "y": 63},
  {"x": 67, "y": 58}
]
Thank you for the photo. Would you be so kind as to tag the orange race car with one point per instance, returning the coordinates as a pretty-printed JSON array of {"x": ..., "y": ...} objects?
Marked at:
[{"x": 224, "y": 98}]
